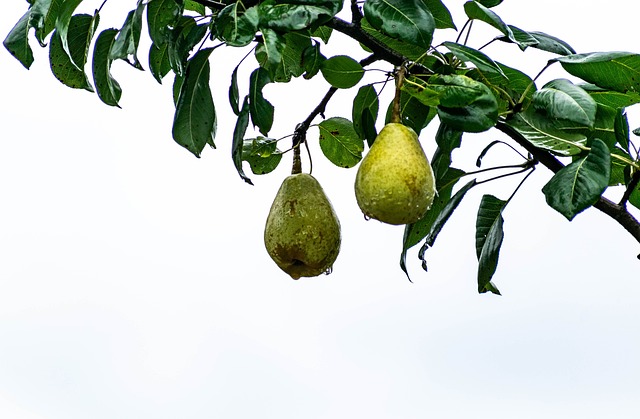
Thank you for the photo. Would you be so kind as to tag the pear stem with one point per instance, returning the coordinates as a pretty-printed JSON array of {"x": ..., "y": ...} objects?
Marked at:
[
  {"x": 296, "y": 167},
  {"x": 395, "y": 113}
]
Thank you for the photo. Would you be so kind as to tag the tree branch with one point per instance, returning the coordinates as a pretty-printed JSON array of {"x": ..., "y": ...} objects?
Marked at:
[
  {"x": 613, "y": 210},
  {"x": 380, "y": 50}
]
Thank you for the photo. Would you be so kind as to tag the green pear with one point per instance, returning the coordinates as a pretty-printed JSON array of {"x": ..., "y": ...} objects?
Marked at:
[
  {"x": 302, "y": 234},
  {"x": 395, "y": 182}
]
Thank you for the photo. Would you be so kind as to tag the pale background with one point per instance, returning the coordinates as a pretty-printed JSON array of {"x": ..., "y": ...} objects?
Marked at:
[{"x": 134, "y": 282}]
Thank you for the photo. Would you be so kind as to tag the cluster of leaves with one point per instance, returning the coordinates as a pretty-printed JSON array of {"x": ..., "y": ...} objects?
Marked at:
[{"x": 463, "y": 87}]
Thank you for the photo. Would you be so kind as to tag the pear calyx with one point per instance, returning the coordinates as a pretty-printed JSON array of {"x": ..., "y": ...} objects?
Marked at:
[
  {"x": 302, "y": 233},
  {"x": 395, "y": 182}
]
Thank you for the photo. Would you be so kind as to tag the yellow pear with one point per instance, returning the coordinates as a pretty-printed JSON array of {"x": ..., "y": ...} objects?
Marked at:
[
  {"x": 395, "y": 182},
  {"x": 302, "y": 234}
]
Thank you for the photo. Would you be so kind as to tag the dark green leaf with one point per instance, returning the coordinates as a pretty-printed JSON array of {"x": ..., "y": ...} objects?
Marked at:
[
  {"x": 44, "y": 15},
  {"x": 412, "y": 113},
  {"x": 551, "y": 44},
  {"x": 269, "y": 52},
  {"x": 465, "y": 105},
  {"x": 260, "y": 108},
  {"x": 108, "y": 89},
  {"x": 621, "y": 129},
  {"x": 178, "y": 81},
  {"x": 159, "y": 61},
  {"x": 479, "y": 59},
  {"x": 411, "y": 51},
  {"x": 611, "y": 98},
  {"x": 262, "y": 154},
  {"x": 542, "y": 132},
  {"x": 194, "y": 123},
  {"x": 440, "y": 13},
  {"x": 475, "y": 10},
  {"x": 446, "y": 177},
  {"x": 422, "y": 91},
  {"x": 489, "y": 235},
  {"x": 297, "y": 15},
  {"x": 238, "y": 135},
  {"x": 17, "y": 42},
  {"x": 407, "y": 20},
  {"x": 162, "y": 15},
  {"x": 619, "y": 71},
  {"x": 194, "y": 7},
  {"x": 579, "y": 185},
  {"x": 522, "y": 38},
  {"x": 634, "y": 199},
  {"x": 235, "y": 26},
  {"x": 507, "y": 91},
  {"x": 489, "y": 3},
  {"x": 323, "y": 33},
  {"x": 63, "y": 23},
  {"x": 185, "y": 36},
  {"x": 340, "y": 143},
  {"x": 619, "y": 168},
  {"x": 312, "y": 59},
  {"x": 126, "y": 44},
  {"x": 365, "y": 112},
  {"x": 80, "y": 30},
  {"x": 234, "y": 94},
  {"x": 342, "y": 71},
  {"x": 444, "y": 214},
  {"x": 561, "y": 99}
]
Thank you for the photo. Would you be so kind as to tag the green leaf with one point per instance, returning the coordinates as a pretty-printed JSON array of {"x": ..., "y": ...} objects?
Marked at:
[
  {"x": 578, "y": 185},
  {"x": 63, "y": 22},
  {"x": 178, "y": 81},
  {"x": 412, "y": 113},
  {"x": 522, "y": 38},
  {"x": 465, "y": 105},
  {"x": 475, "y": 10},
  {"x": 297, "y": 15},
  {"x": 126, "y": 44},
  {"x": 185, "y": 36},
  {"x": 538, "y": 40},
  {"x": 234, "y": 94},
  {"x": 542, "y": 133},
  {"x": 479, "y": 59},
  {"x": 44, "y": 15},
  {"x": 342, "y": 71},
  {"x": 194, "y": 7},
  {"x": 621, "y": 129},
  {"x": 510, "y": 90},
  {"x": 365, "y": 112},
  {"x": 162, "y": 15},
  {"x": 340, "y": 143},
  {"x": 238, "y": 134},
  {"x": 80, "y": 30},
  {"x": 446, "y": 177},
  {"x": 489, "y": 3},
  {"x": 489, "y": 236},
  {"x": 269, "y": 52},
  {"x": 412, "y": 52},
  {"x": 108, "y": 89},
  {"x": 322, "y": 32},
  {"x": 159, "y": 63},
  {"x": 407, "y": 20},
  {"x": 440, "y": 13},
  {"x": 17, "y": 42},
  {"x": 261, "y": 110},
  {"x": 618, "y": 168},
  {"x": 422, "y": 91},
  {"x": 561, "y": 99},
  {"x": 312, "y": 59},
  {"x": 262, "y": 154},
  {"x": 235, "y": 26},
  {"x": 194, "y": 123},
  {"x": 634, "y": 198},
  {"x": 446, "y": 212},
  {"x": 619, "y": 71},
  {"x": 611, "y": 98}
]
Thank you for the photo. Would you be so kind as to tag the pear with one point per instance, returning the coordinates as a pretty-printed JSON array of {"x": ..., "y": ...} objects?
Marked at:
[
  {"x": 302, "y": 234},
  {"x": 395, "y": 182}
]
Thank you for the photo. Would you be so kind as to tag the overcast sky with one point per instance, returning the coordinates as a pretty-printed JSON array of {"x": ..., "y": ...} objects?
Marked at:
[{"x": 134, "y": 282}]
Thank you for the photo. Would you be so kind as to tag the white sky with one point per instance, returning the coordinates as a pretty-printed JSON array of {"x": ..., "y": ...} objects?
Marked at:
[{"x": 134, "y": 281}]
